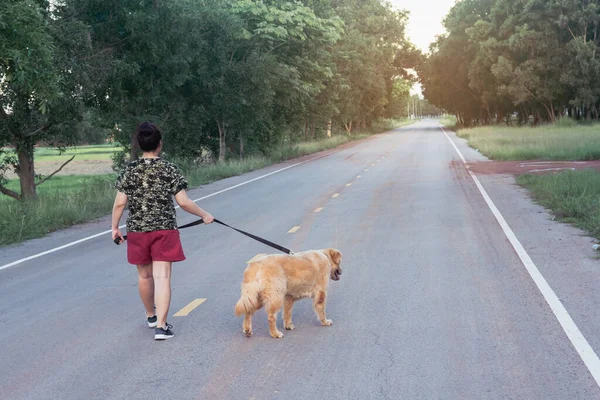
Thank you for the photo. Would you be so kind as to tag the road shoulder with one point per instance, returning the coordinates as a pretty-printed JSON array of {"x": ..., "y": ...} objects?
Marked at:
[{"x": 562, "y": 253}]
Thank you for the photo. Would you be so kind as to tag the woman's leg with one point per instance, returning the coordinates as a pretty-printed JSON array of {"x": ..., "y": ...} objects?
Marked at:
[
  {"x": 146, "y": 287},
  {"x": 161, "y": 271}
]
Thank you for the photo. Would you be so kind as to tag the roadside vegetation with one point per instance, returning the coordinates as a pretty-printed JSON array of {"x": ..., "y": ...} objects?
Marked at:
[
  {"x": 449, "y": 121},
  {"x": 536, "y": 60},
  {"x": 572, "y": 196},
  {"x": 81, "y": 153},
  {"x": 555, "y": 142}
]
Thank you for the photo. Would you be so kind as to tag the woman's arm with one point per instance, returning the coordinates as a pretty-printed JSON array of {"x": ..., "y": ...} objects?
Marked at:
[
  {"x": 117, "y": 213},
  {"x": 188, "y": 205}
]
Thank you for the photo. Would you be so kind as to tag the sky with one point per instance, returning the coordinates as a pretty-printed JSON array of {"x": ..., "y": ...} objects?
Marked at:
[
  {"x": 425, "y": 22},
  {"x": 425, "y": 19}
]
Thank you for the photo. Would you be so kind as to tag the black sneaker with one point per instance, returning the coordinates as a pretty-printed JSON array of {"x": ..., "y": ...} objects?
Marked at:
[
  {"x": 152, "y": 321},
  {"x": 163, "y": 333}
]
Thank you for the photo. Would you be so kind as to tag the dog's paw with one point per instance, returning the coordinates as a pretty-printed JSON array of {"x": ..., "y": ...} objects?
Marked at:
[
  {"x": 247, "y": 332},
  {"x": 327, "y": 322},
  {"x": 277, "y": 335},
  {"x": 289, "y": 327}
]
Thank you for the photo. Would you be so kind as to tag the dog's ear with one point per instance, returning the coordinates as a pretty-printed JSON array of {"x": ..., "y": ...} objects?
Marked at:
[{"x": 335, "y": 256}]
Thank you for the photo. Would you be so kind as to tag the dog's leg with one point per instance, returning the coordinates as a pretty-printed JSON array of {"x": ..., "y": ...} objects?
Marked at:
[
  {"x": 247, "y": 327},
  {"x": 272, "y": 310},
  {"x": 319, "y": 306},
  {"x": 287, "y": 313}
]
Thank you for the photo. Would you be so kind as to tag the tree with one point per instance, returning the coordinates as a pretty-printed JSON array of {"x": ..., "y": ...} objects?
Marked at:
[
  {"x": 372, "y": 55},
  {"x": 534, "y": 57},
  {"x": 41, "y": 96},
  {"x": 147, "y": 51}
]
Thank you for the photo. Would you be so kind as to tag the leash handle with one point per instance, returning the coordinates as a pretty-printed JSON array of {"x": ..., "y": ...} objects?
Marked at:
[{"x": 258, "y": 239}]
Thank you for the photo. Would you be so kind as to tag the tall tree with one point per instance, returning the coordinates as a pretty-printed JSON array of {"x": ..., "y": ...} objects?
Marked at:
[{"x": 41, "y": 85}]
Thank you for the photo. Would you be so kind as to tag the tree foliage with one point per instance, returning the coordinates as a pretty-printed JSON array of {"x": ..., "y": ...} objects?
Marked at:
[
  {"x": 535, "y": 58},
  {"x": 228, "y": 77},
  {"x": 41, "y": 87}
]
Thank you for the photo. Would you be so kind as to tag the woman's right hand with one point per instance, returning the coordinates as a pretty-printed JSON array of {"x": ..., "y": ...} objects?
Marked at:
[{"x": 116, "y": 233}]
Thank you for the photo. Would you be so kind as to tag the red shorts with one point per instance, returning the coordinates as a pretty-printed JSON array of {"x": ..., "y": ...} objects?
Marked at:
[{"x": 145, "y": 247}]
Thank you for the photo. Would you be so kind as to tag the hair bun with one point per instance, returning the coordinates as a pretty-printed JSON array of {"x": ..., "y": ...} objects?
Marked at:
[{"x": 146, "y": 129}]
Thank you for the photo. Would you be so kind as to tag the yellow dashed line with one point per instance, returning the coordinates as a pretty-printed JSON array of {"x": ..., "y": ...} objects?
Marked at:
[
  {"x": 294, "y": 229},
  {"x": 189, "y": 308},
  {"x": 256, "y": 257},
  {"x": 318, "y": 209},
  {"x": 358, "y": 177},
  {"x": 335, "y": 195},
  {"x": 348, "y": 184},
  {"x": 366, "y": 170}
]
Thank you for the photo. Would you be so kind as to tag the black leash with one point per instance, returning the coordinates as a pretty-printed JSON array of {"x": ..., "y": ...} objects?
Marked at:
[{"x": 258, "y": 239}]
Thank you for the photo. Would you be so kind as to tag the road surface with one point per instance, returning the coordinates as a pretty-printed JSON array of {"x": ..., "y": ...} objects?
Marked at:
[{"x": 434, "y": 301}]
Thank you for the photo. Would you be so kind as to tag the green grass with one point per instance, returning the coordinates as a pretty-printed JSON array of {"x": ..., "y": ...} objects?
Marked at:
[
  {"x": 449, "y": 122},
  {"x": 68, "y": 200},
  {"x": 83, "y": 153},
  {"x": 572, "y": 196},
  {"x": 55, "y": 209},
  {"x": 561, "y": 141},
  {"x": 57, "y": 184}
]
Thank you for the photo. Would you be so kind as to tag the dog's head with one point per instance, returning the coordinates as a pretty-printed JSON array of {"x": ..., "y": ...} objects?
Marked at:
[{"x": 336, "y": 258}]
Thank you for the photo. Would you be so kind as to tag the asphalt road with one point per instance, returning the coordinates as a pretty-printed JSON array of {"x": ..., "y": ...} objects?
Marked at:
[{"x": 434, "y": 302}]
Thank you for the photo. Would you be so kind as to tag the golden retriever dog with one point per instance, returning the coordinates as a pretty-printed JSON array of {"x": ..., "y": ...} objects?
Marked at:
[{"x": 274, "y": 281}]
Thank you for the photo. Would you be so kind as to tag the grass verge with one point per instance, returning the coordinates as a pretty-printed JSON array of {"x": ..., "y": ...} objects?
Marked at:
[
  {"x": 572, "y": 196},
  {"x": 82, "y": 153},
  {"x": 54, "y": 210},
  {"x": 561, "y": 141},
  {"x": 61, "y": 184},
  {"x": 69, "y": 200},
  {"x": 449, "y": 122}
]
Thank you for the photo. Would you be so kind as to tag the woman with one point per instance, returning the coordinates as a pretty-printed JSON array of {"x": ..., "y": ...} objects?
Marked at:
[{"x": 153, "y": 244}]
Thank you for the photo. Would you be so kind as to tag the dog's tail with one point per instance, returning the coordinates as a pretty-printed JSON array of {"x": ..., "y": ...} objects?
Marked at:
[{"x": 249, "y": 301}]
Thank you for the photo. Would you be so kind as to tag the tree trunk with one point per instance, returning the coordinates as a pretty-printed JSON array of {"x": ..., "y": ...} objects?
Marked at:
[
  {"x": 241, "y": 147},
  {"x": 306, "y": 128},
  {"x": 313, "y": 127},
  {"x": 348, "y": 127},
  {"x": 222, "y": 147},
  {"x": 26, "y": 169},
  {"x": 588, "y": 113},
  {"x": 135, "y": 147}
]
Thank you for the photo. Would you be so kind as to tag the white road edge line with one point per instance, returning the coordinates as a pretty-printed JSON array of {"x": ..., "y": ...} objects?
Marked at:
[
  {"x": 12, "y": 264},
  {"x": 583, "y": 348}
]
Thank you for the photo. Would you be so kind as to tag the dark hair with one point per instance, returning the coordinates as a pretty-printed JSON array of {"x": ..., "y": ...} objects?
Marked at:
[{"x": 148, "y": 136}]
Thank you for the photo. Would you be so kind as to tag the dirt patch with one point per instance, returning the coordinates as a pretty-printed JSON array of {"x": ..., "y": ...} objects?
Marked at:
[
  {"x": 529, "y": 167},
  {"x": 87, "y": 167}
]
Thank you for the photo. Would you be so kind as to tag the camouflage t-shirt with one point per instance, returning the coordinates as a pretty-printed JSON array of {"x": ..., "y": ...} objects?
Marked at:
[{"x": 149, "y": 184}]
